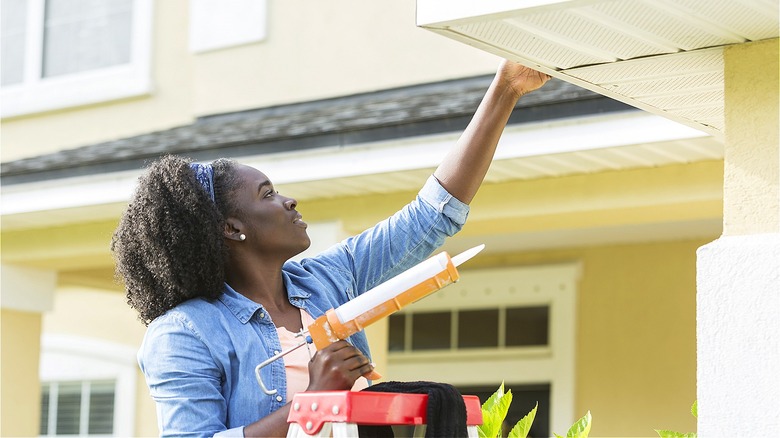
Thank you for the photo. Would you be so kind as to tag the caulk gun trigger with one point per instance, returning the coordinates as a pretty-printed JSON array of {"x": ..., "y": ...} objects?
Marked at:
[{"x": 467, "y": 254}]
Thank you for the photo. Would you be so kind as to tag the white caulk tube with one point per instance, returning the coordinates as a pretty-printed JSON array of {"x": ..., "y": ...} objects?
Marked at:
[{"x": 392, "y": 288}]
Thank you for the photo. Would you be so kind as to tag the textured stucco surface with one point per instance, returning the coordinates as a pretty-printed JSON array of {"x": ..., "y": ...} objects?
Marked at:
[{"x": 738, "y": 336}]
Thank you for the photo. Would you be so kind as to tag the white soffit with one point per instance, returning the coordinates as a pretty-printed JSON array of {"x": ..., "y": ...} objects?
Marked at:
[
  {"x": 663, "y": 56},
  {"x": 561, "y": 147}
]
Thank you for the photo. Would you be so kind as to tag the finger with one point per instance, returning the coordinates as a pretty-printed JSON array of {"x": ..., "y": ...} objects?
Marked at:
[
  {"x": 366, "y": 369},
  {"x": 357, "y": 363},
  {"x": 338, "y": 346}
]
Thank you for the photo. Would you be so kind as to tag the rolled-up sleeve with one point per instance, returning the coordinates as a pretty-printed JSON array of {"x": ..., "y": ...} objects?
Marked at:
[
  {"x": 434, "y": 194},
  {"x": 399, "y": 242}
]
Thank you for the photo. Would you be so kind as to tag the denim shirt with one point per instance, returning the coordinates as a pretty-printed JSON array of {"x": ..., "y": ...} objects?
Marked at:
[{"x": 199, "y": 358}]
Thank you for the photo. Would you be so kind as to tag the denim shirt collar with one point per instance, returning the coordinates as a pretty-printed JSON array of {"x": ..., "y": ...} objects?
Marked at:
[{"x": 244, "y": 309}]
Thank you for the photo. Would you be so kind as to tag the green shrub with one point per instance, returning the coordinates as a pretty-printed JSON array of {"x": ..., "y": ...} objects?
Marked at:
[{"x": 494, "y": 411}]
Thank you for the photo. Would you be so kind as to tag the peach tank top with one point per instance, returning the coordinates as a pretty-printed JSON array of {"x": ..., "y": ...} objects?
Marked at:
[{"x": 296, "y": 364}]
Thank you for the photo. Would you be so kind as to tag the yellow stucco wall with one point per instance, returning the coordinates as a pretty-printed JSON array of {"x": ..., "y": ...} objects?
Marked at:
[
  {"x": 20, "y": 334},
  {"x": 752, "y": 148},
  {"x": 636, "y": 333}
]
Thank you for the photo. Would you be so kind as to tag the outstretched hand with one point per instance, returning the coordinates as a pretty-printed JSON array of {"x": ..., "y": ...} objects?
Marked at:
[{"x": 521, "y": 79}]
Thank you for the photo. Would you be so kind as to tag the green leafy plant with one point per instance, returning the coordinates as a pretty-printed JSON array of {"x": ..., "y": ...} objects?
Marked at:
[
  {"x": 672, "y": 434},
  {"x": 523, "y": 426},
  {"x": 580, "y": 429},
  {"x": 494, "y": 412}
]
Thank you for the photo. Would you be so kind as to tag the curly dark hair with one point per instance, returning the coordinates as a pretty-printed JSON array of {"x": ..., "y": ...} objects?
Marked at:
[{"x": 168, "y": 247}]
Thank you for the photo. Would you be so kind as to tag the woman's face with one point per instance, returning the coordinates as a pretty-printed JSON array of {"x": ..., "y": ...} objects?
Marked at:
[{"x": 269, "y": 219}]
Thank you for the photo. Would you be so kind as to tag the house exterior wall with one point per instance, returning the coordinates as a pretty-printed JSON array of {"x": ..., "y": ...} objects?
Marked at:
[
  {"x": 635, "y": 334},
  {"x": 371, "y": 53},
  {"x": 635, "y": 359},
  {"x": 752, "y": 153},
  {"x": 738, "y": 332}
]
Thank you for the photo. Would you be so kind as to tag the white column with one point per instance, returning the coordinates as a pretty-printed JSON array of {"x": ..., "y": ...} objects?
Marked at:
[{"x": 738, "y": 275}]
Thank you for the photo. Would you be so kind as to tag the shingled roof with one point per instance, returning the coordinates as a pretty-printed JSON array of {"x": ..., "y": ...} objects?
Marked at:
[{"x": 382, "y": 115}]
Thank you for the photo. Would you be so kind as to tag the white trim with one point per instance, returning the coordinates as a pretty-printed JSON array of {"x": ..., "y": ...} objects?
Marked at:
[
  {"x": 38, "y": 94},
  {"x": 76, "y": 358},
  {"x": 527, "y": 140},
  {"x": 432, "y": 12},
  {"x": 27, "y": 289},
  {"x": 555, "y": 285},
  {"x": 216, "y": 24}
]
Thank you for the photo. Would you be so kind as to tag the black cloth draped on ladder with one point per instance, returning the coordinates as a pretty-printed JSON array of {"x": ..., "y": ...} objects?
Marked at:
[{"x": 446, "y": 412}]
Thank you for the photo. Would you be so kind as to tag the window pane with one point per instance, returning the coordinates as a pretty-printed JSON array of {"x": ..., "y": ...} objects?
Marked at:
[
  {"x": 82, "y": 35},
  {"x": 431, "y": 330},
  {"x": 101, "y": 408},
  {"x": 12, "y": 41},
  {"x": 397, "y": 332},
  {"x": 68, "y": 408},
  {"x": 44, "y": 410},
  {"x": 478, "y": 328},
  {"x": 527, "y": 326}
]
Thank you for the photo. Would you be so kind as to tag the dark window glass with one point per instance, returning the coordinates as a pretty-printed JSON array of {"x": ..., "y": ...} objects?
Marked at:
[
  {"x": 527, "y": 326},
  {"x": 397, "y": 332},
  {"x": 478, "y": 328},
  {"x": 44, "y": 410},
  {"x": 101, "y": 408},
  {"x": 431, "y": 330},
  {"x": 68, "y": 408}
]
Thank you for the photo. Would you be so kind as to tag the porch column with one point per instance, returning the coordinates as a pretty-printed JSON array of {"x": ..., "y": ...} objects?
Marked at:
[
  {"x": 738, "y": 275},
  {"x": 26, "y": 294}
]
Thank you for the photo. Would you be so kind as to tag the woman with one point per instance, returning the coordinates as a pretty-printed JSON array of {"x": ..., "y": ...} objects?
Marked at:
[{"x": 204, "y": 253}]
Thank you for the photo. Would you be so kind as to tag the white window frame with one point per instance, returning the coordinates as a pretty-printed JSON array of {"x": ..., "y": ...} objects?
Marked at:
[
  {"x": 551, "y": 285},
  {"x": 85, "y": 389},
  {"x": 37, "y": 94},
  {"x": 66, "y": 358}
]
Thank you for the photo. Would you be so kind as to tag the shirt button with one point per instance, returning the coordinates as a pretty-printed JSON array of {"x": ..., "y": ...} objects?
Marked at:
[
  {"x": 262, "y": 315},
  {"x": 278, "y": 398},
  {"x": 276, "y": 351}
]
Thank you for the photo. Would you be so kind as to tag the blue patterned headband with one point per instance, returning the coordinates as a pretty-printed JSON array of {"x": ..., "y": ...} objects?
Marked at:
[{"x": 204, "y": 173}]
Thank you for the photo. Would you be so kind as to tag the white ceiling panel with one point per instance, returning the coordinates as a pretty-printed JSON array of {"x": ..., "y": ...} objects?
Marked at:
[{"x": 663, "y": 56}]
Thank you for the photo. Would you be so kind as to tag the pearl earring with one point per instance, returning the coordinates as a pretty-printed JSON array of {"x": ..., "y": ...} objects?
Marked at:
[{"x": 242, "y": 237}]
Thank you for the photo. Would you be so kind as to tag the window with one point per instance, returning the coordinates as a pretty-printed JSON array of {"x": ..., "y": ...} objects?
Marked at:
[
  {"x": 63, "y": 53},
  {"x": 87, "y": 387},
  {"x": 455, "y": 330},
  {"x": 505, "y": 324},
  {"x": 77, "y": 408}
]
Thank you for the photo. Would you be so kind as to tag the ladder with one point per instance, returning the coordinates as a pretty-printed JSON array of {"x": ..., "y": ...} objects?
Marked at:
[{"x": 338, "y": 413}]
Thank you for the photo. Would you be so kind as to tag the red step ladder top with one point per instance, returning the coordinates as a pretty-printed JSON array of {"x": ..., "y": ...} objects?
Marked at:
[{"x": 312, "y": 409}]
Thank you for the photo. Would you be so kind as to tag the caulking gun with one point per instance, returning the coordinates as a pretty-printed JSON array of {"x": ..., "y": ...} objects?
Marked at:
[{"x": 349, "y": 318}]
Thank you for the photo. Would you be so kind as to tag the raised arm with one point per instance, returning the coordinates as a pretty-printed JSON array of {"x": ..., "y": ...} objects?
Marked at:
[{"x": 462, "y": 170}]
